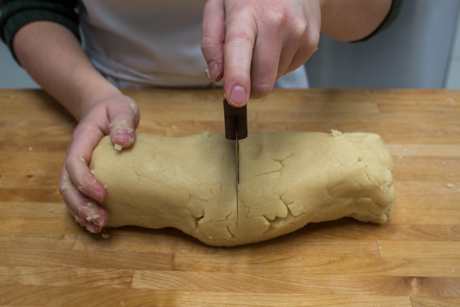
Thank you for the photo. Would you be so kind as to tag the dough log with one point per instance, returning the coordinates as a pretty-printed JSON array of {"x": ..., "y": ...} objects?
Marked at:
[{"x": 287, "y": 179}]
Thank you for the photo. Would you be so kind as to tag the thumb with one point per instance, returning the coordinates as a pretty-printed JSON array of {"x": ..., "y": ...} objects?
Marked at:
[{"x": 124, "y": 119}]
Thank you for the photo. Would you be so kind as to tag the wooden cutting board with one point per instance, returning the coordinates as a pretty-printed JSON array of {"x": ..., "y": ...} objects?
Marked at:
[{"x": 46, "y": 259}]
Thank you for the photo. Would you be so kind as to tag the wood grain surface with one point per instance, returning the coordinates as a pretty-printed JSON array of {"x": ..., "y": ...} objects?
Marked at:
[{"x": 46, "y": 259}]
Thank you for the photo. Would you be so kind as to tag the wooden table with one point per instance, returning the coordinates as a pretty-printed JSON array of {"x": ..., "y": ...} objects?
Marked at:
[{"x": 46, "y": 259}]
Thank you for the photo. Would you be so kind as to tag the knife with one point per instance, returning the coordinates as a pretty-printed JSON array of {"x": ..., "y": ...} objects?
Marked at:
[{"x": 236, "y": 128}]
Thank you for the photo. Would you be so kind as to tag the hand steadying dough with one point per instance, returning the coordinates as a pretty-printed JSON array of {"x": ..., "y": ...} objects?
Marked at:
[{"x": 287, "y": 179}]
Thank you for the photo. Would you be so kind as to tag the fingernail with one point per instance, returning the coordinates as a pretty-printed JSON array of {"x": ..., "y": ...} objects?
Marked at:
[
  {"x": 97, "y": 195},
  {"x": 124, "y": 138},
  {"x": 238, "y": 96},
  {"x": 213, "y": 70}
]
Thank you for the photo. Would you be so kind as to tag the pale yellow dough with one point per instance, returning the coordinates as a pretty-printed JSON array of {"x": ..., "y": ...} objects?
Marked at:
[{"x": 287, "y": 179}]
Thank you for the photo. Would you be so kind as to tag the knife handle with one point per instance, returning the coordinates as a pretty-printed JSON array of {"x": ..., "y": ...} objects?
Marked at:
[{"x": 236, "y": 122}]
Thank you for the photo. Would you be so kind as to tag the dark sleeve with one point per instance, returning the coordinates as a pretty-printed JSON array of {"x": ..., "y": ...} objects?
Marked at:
[
  {"x": 388, "y": 21},
  {"x": 17, "y": 13}
]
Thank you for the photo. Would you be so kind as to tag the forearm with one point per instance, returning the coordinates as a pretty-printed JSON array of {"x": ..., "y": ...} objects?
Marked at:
[
  {"x": 53, "y": 57},
  {"x": 350, "y": 20}
]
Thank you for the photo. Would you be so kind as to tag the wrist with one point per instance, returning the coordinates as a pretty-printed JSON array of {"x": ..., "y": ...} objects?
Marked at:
[{"x": 95, "y": 92}]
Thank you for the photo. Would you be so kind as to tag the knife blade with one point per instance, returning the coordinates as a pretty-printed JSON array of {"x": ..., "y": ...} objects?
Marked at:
[{"x": 236, "y": 128}]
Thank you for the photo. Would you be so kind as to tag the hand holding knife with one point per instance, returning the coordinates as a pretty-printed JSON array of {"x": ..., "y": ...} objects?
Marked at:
[{"x": 236, "y": 128}]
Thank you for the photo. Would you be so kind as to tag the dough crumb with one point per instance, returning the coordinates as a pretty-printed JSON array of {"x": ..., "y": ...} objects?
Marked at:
[
  {"x": 451, "y": 174},
  {"x": 105, "y": 235},
  {"x": 66, "y": 186},
  {"x": 336, "y": 132},
  {"x": 91, "y": 228},
  {"x": 82, "y": 159},
  {"x": 133, "y": 106},
  {"x": 89, "y": 128},
  {"x": 207, "y": 73},
  {"x": 449, "y": 185},
  {"x": 399, "y": 157},
  {"x": 379, "y": 248},
  {"x": 66, "y": 176},
  {"x": 174, "y": 127},
  {"x": 92, "y": 217},
  {"x": 89, "y": 204},
  {"x": 122, "y": 303},
  {"x": 51, "y": 210},
  {"x": 92, "y": 171},
  {"x": 207, "y": 134},
  {"x": 121, "y": 125},
  {"x": 117, "y": 147},
  {"x": 30, "y": 148},
  {"x": 105, "y": 186},
  {"x": 403, "y": 220}
]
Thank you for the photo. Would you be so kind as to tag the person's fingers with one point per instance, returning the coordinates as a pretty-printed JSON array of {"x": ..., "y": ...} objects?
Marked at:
[
  {"x": 90, "y": 226},
  {"x": 286, "y": 58},
  {"x": 124, "y": 119},
  {"x": 240, "y": 37},
  {"x": 84, "y": 140},
  {"x": 86, "y": 212},
  {"x": 212, "y": 38},
  {"x": 266, "y": 58},
  {"x": 306, "y": 47},
  {"x": 294, "y": 37}
]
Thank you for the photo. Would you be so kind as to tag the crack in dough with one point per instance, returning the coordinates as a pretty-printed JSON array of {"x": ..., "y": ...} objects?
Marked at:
[{"x": 287, "y": 179}]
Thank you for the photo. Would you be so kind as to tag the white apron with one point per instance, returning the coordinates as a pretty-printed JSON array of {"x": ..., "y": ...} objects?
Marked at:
[{"x": 141, "y": 43}]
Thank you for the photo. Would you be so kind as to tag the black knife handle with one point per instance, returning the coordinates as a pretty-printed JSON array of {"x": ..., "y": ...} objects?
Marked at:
[{"x": 236, "y": 122}]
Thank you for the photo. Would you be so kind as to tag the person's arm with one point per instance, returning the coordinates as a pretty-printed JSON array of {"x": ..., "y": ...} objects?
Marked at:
[
  {"x": 352, "y": 20},
  {"x": 253, "y": 43},
  {"x": 53, "y": 57}
]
